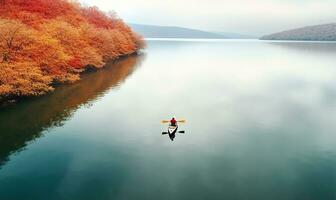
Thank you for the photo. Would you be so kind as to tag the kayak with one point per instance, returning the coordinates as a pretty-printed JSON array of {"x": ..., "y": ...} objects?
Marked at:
[{"x": 172, "y": 129}]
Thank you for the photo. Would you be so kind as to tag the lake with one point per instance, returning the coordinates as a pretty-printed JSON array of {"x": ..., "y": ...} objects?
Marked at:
[{"x": 260, "y": 124}]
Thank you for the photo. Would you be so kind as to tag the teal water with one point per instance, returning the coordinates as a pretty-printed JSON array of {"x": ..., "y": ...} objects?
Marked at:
[{"x": 260, "y": 125}]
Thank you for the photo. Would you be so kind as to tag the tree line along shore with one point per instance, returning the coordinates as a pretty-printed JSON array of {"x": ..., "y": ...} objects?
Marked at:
[{"x": 46, "y": 42}]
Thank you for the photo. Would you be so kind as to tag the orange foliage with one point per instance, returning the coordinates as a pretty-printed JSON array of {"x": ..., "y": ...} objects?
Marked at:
[
  {"x": 45, "y": 41},
  {"x": 23, "y": 79},
  {"x": 94, "y": 16}
]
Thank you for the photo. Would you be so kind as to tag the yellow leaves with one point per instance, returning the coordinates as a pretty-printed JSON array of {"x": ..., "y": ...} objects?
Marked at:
[
  {"x": 89, "y": 56},
  {"x": 67, "y": 77},
  {"x": 75, "y": 43},
  {"x": 14, "y": 38},
  {"x": 23, "y": 79},
  {"x": 5, "y": 89}
]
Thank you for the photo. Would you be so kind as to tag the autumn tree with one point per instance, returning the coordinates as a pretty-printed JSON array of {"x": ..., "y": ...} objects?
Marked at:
[
  {"x": 14, "y": 37},
  {"x": 23, "y": 79},
  {"x": 48, "y": 41}
]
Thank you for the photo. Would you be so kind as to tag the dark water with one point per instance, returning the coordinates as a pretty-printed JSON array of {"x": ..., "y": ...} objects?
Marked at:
[{"x": 260, "y": 125}]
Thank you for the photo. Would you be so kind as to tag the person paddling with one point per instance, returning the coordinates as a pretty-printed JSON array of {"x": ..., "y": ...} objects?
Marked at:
[{"x": 173, "y": 121}]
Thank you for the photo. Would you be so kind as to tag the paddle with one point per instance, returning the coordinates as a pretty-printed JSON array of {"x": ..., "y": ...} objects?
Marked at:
[{"x": 180, "y": 121}]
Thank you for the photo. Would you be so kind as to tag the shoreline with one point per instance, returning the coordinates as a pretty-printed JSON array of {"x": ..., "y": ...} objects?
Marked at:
[
  {"x": 4, "y": 102},
  {"x": 236, "y": 40}
]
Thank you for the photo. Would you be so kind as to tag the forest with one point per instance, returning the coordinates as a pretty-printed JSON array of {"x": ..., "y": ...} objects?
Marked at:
[
  {"x": 324, "y": 32},
  {"x": 47, "y": 42}
]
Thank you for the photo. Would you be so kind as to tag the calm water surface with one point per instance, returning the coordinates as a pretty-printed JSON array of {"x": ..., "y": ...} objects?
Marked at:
[{"x": 260, "y": 125}]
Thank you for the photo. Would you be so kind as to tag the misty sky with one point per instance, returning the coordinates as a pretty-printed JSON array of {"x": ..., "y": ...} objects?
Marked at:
[{"x": 256, "y": 17}]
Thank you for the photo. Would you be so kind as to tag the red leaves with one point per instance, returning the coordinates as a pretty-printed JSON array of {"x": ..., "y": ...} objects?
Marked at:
[
  {"x": 45, "y": 8},
  {"x": 97, "y": 18},
  {"x": 75, "y": 62},
  {"x": 40, "y": 10}
]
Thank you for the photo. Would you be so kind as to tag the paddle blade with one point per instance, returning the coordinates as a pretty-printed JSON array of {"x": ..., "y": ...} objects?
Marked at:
[
  {"x": 181, "y": 131},
  {"x": 164, "y": 133},
  {"x": 182, "y": 121},
  {"x": 164, "y": 121}
]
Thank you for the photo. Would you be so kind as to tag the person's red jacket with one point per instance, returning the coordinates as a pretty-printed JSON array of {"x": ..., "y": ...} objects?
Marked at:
[{"x": 173, "y": 121}]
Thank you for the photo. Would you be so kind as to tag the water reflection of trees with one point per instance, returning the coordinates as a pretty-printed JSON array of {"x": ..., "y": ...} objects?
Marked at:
[
  {"x": 310, "y": 47},
  {"x": 26, "y": 121}
]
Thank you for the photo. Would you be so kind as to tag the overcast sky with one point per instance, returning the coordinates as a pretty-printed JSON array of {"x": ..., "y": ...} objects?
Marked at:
[{"x": 256, "y": 17}]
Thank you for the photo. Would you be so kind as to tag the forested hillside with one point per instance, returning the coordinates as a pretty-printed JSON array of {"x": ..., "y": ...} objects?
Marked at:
[
  {"x": 151, "y": 31},
  {"x": 51, "y": 41},
  {"x": 155, "y": 31},
  {"x": 325, "y": 32}
]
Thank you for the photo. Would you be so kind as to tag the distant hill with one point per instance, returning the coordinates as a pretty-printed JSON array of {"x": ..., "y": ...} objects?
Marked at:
[
  {"x": 325, "y": 32},
  {"x": 237, "y": 35},
  {"x": 152, "y": 31}
]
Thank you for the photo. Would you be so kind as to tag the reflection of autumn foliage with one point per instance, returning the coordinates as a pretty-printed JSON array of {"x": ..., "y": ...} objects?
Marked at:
[
  {"x": 46, "y": 41},
  {"x": 60, "y": 104}
]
